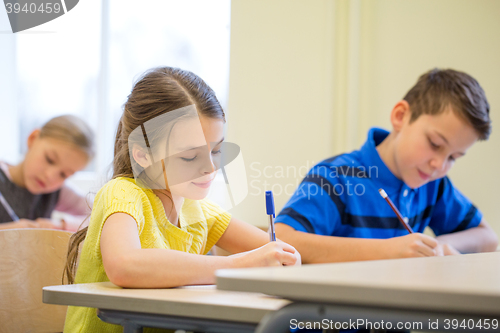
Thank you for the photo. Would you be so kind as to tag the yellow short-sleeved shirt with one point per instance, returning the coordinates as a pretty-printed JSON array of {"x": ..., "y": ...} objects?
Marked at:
[{"x": 201, "y": 224}]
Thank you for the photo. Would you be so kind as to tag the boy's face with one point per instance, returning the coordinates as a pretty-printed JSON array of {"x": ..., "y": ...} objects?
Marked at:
[{"x": 427, "y": 148}]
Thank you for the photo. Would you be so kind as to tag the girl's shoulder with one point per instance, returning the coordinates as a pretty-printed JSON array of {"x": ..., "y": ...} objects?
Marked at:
[
  {"x": 121, "y": 188},
  {"x": 119, "y": 182}
]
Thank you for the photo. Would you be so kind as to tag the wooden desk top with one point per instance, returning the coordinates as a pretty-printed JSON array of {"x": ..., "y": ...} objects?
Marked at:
[
  {"x": 193, "y": 301},
  {"x": 464, "y": 284}
]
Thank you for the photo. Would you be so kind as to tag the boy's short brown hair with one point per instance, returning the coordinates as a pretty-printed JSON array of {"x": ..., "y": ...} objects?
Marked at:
[{"x": 439, "y": 89}]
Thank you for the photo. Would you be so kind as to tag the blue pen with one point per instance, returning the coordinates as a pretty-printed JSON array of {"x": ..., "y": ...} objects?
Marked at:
[{"x": 270, "y": 212}]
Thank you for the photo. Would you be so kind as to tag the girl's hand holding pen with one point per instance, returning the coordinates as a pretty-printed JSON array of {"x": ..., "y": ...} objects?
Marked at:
[{"x": 272, "y": 254}]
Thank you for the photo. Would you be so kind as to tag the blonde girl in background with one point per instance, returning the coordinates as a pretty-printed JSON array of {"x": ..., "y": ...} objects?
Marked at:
[
  {"x": 146, "y": 237},
  {"x": 31, "y": 190}
]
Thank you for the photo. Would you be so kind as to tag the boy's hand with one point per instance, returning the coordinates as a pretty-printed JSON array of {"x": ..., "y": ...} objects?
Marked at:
[
  {"x": 413, "y": 245},
  {"x": 445, "y": 249}
]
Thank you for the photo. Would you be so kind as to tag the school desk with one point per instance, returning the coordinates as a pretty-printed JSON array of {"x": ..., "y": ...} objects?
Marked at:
[
  {"x": 194, "y": 308},
  {"x": 426, "y": 290}
]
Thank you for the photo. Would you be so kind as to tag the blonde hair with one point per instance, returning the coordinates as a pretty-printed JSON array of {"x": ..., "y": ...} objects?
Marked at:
[{"x": 72, "y": 130}]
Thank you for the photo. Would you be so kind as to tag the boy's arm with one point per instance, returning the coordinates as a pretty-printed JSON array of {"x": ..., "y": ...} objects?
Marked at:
[
  {"x": 321, "y": 249},
  {"x": 458, "y": 224},
  {"x": 478, "y": 239}
]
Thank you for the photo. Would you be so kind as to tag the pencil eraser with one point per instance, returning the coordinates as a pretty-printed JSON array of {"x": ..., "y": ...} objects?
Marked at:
[{"x": 382, "y": 193}]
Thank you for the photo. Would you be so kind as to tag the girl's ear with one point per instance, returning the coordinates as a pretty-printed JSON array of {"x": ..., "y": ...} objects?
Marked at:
[
  {"x": 33, "y": 137},
  {"x": 140, "y": 156},
  {"x": 400, "y": 115}
]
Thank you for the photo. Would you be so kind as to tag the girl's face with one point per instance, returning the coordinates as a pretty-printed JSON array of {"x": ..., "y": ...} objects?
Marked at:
[
  {"x": 194, "y": 152},
  {"x": 49, "y": 162}
]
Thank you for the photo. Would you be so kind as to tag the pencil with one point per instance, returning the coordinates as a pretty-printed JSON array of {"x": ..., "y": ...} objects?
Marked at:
[
  {"x": 396, "y": 211},
  {"x": 8, "y": 208}
]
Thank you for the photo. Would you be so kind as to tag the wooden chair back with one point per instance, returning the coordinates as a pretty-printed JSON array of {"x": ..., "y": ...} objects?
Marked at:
[{"x": 31, "y": 259}]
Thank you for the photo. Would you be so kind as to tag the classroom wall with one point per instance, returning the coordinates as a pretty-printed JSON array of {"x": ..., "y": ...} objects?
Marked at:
[
  {"x": 309, "y": 78},
  {"x": 280, "y": 95}
]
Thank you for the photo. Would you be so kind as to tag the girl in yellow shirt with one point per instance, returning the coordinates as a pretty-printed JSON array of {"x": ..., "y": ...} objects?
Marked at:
[{"x": 151, "y": 224}]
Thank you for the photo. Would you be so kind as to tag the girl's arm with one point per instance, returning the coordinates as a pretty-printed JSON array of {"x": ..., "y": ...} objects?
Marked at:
[
  {"x": 73, "y": 202},
  {"x": 21, "y": 224},
  {"x": 128, "y": 265},
  {"x": 25, "y": 223},
  {"x": 240, "y": 237}
]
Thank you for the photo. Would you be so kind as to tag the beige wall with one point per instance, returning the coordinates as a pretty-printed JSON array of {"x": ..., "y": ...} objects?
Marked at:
[
  {"x": 309, "y": 78},
  {"x": 280, "y": 94}
]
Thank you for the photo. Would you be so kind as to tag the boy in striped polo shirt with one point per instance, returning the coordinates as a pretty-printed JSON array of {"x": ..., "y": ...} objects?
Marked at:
[{"x": 337, "y": 214}]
